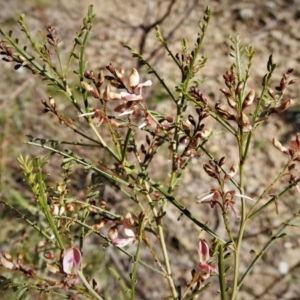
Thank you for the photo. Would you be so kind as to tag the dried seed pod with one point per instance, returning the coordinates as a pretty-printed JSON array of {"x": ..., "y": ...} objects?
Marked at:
[
  {"x": 293, "y": 81},
  {"x": 245, "y": 122},
  {"x": 271, "y": 93},
  {"x": 110, "y": 68},
  {"x": 231, "y": 102},
  {"x": 185, "y": 125},
  {"x": 225, "y": 92},
  {"x": 106, "y": 94},
  {"x": 119, "y": 75},
  {"x": 191, "y": 120},
  {"x": 116, "y": 84},
  {"x": 279, "y": 146},
  {"x": 291, "y": 167},
  {"x": 249, "y": 99},
  {"x": 195, "y": 142},
  {"x": 222, "y": 161},
  {"x": 89, "y": 89},
  {"x": 100, "y": 79},
  {"x": 147, "y": 139},
  {"x": 296, "y": 143},
  {"x": 210, "y": 172},
  {"x": 284, "y": 105},
  {"x": 223, "y": 113},
  {"x": 239, "y": 88}
]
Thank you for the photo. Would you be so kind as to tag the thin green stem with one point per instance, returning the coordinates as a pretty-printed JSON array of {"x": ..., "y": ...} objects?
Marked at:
[
  {"x": 108, "y": 149},
  {"x": 133, "y": 275},
  {"x": 42, "y": 198},
  {"x": 117, "y": 179},
  {"x": 274, "y": 237},
  {"x": 88, "y": 286},
  {"x": 266, "y": 191},
  {"x": 272, "y": 200},
  {"x": 90, "y": 229},
  {"x": 32, "y": 224},
  {"x": 222, "y": 274},
  {"x": 163, "y": 246}
]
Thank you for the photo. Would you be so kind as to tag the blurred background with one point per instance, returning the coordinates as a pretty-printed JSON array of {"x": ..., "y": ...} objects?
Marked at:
[{"x": 271, "y": 27}]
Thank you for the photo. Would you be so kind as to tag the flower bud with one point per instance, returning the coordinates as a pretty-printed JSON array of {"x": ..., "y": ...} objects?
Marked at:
[
  {"x": 54, "y": 209},
  {"x": 232, "y": 171},
  {"x": 271, "y": 93},
  {"x": 279, "y": 146},
  {"x": 134, "y": 78},
  {"x": 284, "y": 105},
  {"x": 114, "y": 96},
  {"x": 97, "y": 226},
  {"x": 113, "y": 232},
  {"x": 296, "y": 143},
  {"x": 86, "y": 86},
  {"x": 89, "y": 89},
  {"x": 52, "y": 102},
  {"x": 119, "y": 75},
  {"x": 6, "y": 261},
  {"x": 100, "y": 79},
  {"x": 49, "y": 255},
  {"x": 69, "y": 207},
  {"x": 106, "y": 93},
  {"x": 205, "y": 133},
  {"x": 53, "y": 268},
  {"x": 89, "y": 74}
]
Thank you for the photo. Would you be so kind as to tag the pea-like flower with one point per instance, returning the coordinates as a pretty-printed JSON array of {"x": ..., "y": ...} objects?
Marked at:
[
  {"x": 128, "y": 228},
  {"x": 205, "y": 267},
  {"x": 71, "y": 261}
]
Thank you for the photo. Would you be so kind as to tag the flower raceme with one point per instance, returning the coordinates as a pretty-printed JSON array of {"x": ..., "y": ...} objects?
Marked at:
[
  {"x": 131, "y": 97},
  {"x": 225, "y": 200}
]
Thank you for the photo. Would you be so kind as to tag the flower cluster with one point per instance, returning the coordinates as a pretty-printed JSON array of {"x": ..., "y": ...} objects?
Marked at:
[
  {"x": 131, "y": 96},
  {"x": 128, "y": 229}
]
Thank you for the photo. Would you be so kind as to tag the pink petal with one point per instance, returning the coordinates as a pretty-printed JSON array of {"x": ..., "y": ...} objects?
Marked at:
[
  {"x": 123, "y": 242},
  {"x": 203, "y": 251},
  {"x": 71, "y": 261},
  {"x": 144, "y": 84},
  {"x": 128, "y": 225},
  {"x": 130, "y": 97}
]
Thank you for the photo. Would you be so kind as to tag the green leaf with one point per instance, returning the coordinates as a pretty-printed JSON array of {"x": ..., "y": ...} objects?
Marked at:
[{"x": 21, "y": 293}]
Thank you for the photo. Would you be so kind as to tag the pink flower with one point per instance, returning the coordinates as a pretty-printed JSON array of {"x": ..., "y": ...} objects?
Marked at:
[
  {"x": 205, "y": 268},
  {"x": 214, "y": 197},
  {"x": 128, "y": 226},
  {"x": 71, "y": 261}
]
